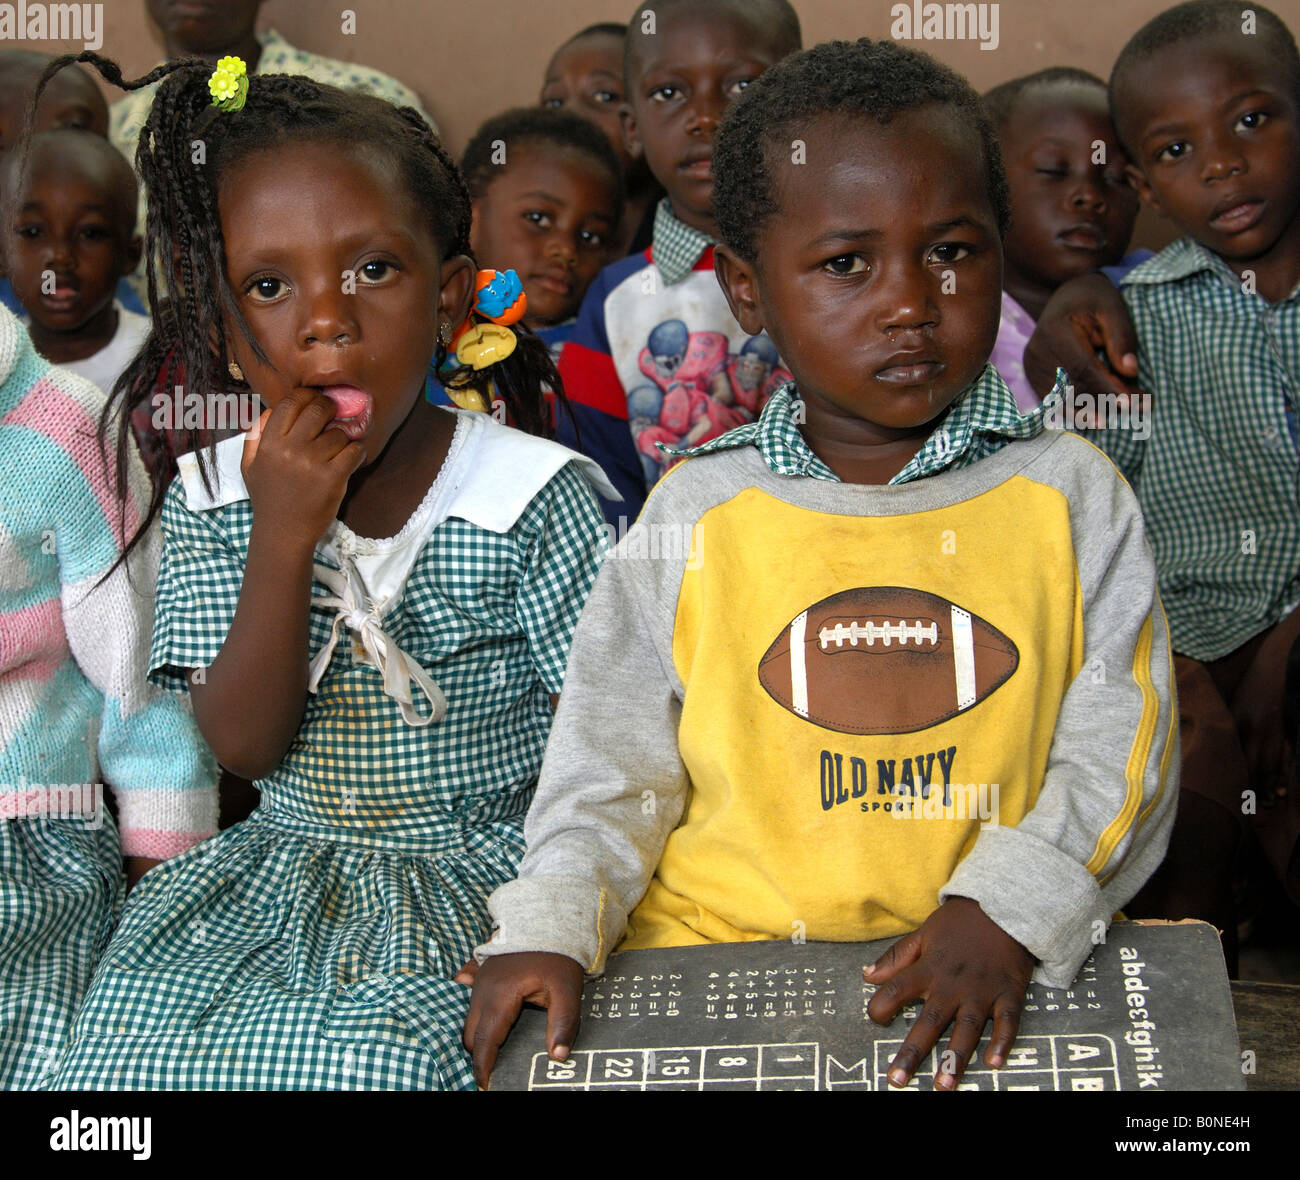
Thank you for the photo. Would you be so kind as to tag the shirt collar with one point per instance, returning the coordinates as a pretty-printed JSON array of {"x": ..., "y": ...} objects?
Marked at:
[
  {"x": 987, "y": 411},
  {"x": 1178, "y": 260},
  {"x": 275, "y": 51},
  {"x": 493, "y": 473},
  {"x": 1182, "y": 259},
  {"x": 677, "y": 247}
]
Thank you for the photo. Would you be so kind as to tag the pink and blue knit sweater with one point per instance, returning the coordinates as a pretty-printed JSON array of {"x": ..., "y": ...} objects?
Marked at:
[{"x": 75, "y": 707}]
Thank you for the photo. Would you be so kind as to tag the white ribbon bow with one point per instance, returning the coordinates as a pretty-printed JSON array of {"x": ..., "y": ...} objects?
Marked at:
[{"x": 397, "y": 668}]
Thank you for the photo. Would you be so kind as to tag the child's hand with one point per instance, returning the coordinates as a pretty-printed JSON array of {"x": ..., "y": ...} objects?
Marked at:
[
  {"x": 296, "y": 468},
  {"x": 1085, "y": 316},
  {"x": 503, "y": 985},
  {"x": 965, "y": 967}
]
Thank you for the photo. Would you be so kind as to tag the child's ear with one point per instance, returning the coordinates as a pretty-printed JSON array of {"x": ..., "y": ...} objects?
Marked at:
[
  {"x": 458, "y": 275},
  {"x": 739, "y": 284},
  {"x": 631, "y": 134},
  {"x": 134, "y": 252},
  {"x": 1138, "y": 179}
]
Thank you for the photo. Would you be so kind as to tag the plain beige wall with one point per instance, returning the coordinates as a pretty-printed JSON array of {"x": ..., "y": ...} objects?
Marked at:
[{"x": 471, "y": 59}]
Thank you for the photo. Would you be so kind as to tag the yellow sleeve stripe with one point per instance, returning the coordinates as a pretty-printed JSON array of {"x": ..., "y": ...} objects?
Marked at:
[
  {"x": 1138, "y": 756},
  {"x": 1167, "y": 756},
  {"x": 1165, "y": 759},
  {"x": 600, "y": 931}
]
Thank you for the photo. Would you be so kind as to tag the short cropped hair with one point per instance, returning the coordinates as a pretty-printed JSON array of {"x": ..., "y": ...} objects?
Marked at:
[
  {"x": 1002, "y": 100},
  {"x": 777, "y": 17},
  {"x": 1199, "y": 18},
  {"x": 527, "y": 125},
  {"x": 874, "y": 79},
  {"x": 603, "y": 28}
]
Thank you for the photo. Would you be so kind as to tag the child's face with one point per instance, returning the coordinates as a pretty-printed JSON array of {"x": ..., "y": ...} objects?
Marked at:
[
  {"x": 685, "y": 76},
  {"x": 586, "y": 77},
  {"x": 1213, "y": 125},
  {"x": 204, "y": 26},
  {"x": 851, "y": 273},
  {"x": 1071, "y": 212},
  {"x": 70, "y": 99},
  {"x": 548, "y": 216},
  {"x": 340, "y": 280},
  {"x": 71, "y": 239}
]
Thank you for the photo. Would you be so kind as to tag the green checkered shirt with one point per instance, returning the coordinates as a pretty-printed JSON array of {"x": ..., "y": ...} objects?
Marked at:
[
  {"x": 983, "y": 420},
  {"x": 1217, "y": 480},
  {"x": 677, "y": 246}
]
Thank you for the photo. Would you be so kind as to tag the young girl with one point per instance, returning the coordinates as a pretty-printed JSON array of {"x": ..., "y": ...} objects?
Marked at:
[
  {"x": 546, "y": 192},
  {"x": 74, "y": 705},
  {"x": 369, "y": 600}
]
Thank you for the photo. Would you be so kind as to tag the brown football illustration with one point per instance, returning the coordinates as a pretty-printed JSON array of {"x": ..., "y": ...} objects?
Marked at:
[{"x": 885, "y": 659}]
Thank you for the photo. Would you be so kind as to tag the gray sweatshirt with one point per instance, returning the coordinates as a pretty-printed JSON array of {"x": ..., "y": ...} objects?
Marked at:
[{"x": 801, "y": 708}]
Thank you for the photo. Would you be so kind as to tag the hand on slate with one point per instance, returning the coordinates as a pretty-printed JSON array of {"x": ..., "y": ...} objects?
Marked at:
[
  {"x": 503, "y": 985},
  {"x": 966, "y": 968}
]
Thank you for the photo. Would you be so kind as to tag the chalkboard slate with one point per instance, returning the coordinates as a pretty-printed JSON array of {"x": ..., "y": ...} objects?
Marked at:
[{"x": 786, "y": 1016}]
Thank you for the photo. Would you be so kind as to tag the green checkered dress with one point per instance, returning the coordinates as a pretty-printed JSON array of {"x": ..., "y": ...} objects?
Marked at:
[
  {"x": 1218, "y": 477},
  {"x": 313, "y": 946},
  {"x": 62, "y": 893}
]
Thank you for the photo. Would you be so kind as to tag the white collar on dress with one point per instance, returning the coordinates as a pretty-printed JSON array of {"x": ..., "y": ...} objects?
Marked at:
[
  {"x": 491, "y": 474},
  {"x": 497, "y": 474}
]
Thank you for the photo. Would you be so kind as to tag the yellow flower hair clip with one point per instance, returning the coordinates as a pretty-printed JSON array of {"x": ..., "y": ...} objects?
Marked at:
[{"x": 229, "y": 84}]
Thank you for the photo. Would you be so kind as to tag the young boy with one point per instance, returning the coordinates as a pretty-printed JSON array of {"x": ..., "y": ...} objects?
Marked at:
[
  {"x": 585, "y": 77},
  {"x": 1072, "y": 207},
  {"x": 655, "y": 325},
  {"x": 547, "y": 193},
  {"x": 829, "y": 666},
  {"x": 1206, "y": 98},
  {"x": 71, "y": 241},
  {"x": 70, "y": 100}
]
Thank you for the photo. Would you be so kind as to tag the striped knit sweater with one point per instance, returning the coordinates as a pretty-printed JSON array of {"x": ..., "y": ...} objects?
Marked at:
[{"x": 74, "y": 701}]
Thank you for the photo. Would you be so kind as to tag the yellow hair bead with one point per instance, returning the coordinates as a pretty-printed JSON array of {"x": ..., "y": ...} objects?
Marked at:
[{"x": 229, "y": 84}]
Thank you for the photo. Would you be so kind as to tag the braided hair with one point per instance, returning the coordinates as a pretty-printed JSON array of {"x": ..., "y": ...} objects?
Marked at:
[{"x": 185, "y": 146}]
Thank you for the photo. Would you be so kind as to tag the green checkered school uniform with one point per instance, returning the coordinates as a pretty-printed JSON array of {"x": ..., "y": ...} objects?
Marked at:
[
  {"x": 313, "y": 945},
  {"x": 1217, "y": 479},
  {"x": 62, "y": 893}
]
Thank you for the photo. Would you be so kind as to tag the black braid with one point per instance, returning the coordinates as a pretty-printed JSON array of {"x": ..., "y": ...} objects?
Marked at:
[{"x": 189, "y": 292}]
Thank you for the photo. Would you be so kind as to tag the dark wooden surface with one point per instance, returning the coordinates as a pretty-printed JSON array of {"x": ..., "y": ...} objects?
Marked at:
[{"x": 1268, "y": 1024}]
